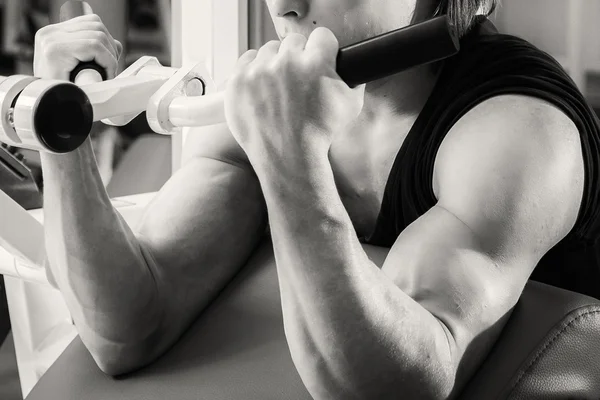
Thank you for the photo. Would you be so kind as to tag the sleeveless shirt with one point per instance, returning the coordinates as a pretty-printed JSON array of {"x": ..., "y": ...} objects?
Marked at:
[{"x": 490, "y": 64}]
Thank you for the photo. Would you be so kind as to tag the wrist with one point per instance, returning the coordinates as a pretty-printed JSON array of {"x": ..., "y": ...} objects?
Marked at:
[
  {"x": 299, "y": 185},
  {"x": 298, "y": 166}
]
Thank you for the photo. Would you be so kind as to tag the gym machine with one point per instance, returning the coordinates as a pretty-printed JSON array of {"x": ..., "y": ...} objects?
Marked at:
[{"x": 56, "y": 116}]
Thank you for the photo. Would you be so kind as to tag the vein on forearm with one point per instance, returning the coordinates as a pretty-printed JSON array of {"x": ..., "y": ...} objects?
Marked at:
[{"x": 340, "y": 308}]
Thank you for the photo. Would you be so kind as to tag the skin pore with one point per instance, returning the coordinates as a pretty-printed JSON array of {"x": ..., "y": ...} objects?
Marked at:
[{"x": 391, "y": 104}]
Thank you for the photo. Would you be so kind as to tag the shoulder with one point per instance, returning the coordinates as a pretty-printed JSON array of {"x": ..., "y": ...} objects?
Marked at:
[
  {"x": 517, "y": 132},
  {"x": 516, "y": 157},
  {"x": 511, "y": 114}
]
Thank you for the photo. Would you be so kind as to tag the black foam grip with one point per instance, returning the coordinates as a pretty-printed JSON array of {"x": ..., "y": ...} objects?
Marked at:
[
  {"x": 87, "y": 65},
  {"x": 396, "y": 51},
  {"x": 72, "y": 9},
  {"x": 63, "y": 118}
]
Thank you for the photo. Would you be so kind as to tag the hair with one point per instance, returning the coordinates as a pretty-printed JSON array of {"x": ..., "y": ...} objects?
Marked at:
[{"x": 462, "y": 13}]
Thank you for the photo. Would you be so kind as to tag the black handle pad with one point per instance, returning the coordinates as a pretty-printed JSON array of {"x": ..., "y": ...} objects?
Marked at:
[
  {"x": 87, "y": 65},
  {"x": 396, "y": 51},
  {"x": 70, "y": 10}
]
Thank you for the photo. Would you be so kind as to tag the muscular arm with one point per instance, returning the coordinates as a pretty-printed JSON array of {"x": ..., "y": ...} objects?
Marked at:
[
  {"x": 509, "y": 180},
  {"x": 132, "y": 293}
]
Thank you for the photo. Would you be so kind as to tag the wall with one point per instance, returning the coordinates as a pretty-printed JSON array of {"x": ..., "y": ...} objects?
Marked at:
[
  {"x": 545, "y": 23},
  {"x": 260, "y": 27}
]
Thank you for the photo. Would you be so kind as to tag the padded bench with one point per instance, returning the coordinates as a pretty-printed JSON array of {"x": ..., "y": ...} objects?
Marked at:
[{"x": 237, "y": 349}]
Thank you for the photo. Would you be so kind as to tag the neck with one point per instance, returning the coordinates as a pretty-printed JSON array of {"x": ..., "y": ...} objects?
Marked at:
[{"x": 401, "y": 95}]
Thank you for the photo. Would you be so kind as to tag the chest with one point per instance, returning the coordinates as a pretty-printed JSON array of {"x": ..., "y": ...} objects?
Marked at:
[{"x": 361, "y": 163}]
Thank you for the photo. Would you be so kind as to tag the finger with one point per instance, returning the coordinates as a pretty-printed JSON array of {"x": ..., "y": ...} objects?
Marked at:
[
  {"x": 93, "y": 36},
  {"x": 86, "y": 26},
  {"x": 292, "y": 43},
  {"x": 81, "y": 18},
  {"x": 119, "y": 46},
  {"x": 91, "y": 26},
  {"x": 92, "y": 50},
  {"x": 65, "y": 26},
  {"x": 268, "y": 51},
  {"x": 246, "y": 59},
  {"x": 322, "y": 42}
]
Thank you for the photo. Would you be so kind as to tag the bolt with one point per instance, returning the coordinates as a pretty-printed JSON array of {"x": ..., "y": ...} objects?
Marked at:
[
  {"x": 194, "y": 87},
  {"x": 11, "y": 117}
]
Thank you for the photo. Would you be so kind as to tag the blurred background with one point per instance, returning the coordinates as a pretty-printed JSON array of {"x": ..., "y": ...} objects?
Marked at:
[
  {"x": 143, "y": 27},
  {"x": 133, "y": 160}
]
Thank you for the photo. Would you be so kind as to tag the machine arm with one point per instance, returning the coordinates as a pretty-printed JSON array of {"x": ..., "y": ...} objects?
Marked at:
[{"x": 57, "y": 116}]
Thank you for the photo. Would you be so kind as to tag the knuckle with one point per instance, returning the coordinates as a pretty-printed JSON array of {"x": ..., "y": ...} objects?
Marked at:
[
  {"x": 98, "y": 26},
  {"x": 276, "y": 66},
  {"x": 104, "y": 40},
  {"x": 41, "y": 33},
  {"x": 285, "y": 62},
  {"x": 95, "y": 17},
  {"x": 257, "y": 74},
  {"x": 100, "y": 36},
  {"x": 272, "y": 43},
  {"x": 317, "y": 58},
  {"x": 251, "y": 74},
  {"x": 97, "y": 45},
  {"x": 49, "y": 49},
  {"x": 270, "y": 47},
  {"x": 249, "y": 54},
  {"x": 246, "y": 57},
  {"x": 295, "y": 37}
]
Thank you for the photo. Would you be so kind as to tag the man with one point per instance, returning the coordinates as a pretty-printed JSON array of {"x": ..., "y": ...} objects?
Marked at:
[{"x": 497, "y": 181}]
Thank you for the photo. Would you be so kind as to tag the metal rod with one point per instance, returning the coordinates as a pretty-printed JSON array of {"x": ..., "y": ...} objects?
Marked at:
[
  {"x": 126, "y": 96},
  {"x": 362, "y": 62},
  {"x": 198, "y": 110}
]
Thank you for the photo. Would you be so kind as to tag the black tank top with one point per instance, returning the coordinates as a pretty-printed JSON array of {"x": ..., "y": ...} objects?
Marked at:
[{"x": 491, "y": 64}]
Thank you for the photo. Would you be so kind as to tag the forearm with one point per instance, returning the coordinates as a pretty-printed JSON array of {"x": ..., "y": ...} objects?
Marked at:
[
  {"x": 352, "y": 332},
  {"x": 96, "y": 260}
]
